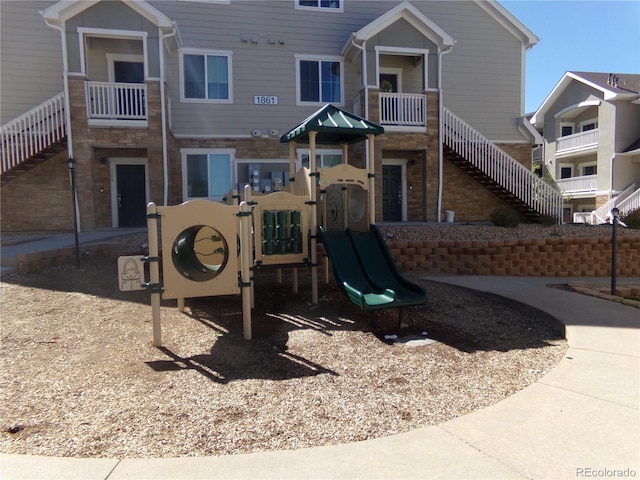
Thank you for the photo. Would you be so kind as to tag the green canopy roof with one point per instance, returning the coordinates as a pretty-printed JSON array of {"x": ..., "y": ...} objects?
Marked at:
[{"x": 334, "y": 127}]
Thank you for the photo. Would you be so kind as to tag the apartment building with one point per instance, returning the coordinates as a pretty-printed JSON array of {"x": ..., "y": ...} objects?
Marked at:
[
  {"x": 171, "y": 100},
  {"x": 591, "y": 143}
]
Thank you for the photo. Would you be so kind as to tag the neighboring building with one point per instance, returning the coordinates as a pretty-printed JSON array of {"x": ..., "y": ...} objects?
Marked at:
[
  {"x": 591, "y": 129},
  {"x": 170, "y": 100}
]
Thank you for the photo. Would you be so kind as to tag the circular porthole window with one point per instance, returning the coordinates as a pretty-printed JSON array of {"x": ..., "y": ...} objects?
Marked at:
[{"x": 200, "y": 253}]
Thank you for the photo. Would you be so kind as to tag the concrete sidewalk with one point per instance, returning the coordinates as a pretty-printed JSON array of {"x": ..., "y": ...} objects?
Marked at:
[
  {"x": 581, "y": 420},
  {"x": 39, "y": 242}
]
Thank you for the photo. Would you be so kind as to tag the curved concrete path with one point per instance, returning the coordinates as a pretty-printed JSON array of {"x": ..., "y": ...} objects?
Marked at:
[{"x": 582, "y": 420}]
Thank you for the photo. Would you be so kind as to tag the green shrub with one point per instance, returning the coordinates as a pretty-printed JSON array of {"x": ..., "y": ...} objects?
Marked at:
[
  {"x": 632, "y": 219},
  {"x": 505, "y": 218}
]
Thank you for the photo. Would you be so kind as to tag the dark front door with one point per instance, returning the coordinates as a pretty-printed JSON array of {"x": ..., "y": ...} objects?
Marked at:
[
  {"x": 128, "y": 72},
  {"x": 391, "y": 193},
  {"x": 132, "y": 196},
  {"x": 130, "y": 102}
]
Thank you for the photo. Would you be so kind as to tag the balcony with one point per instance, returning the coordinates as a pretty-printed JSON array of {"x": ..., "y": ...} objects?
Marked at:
[
  {"x": 116, "y": 104},
  {"x": 403, "y": 110},
  {"x": 577, "y": 142},
  {"x": 585, "y": 185}
]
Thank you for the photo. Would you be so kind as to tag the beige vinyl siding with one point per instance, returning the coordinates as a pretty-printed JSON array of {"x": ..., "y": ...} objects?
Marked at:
[
  {"x": 482, "y": 76},
  {"x": 259, "y": 66},
  {"x": 30, "y": 58},
  {"x": 113, "y": 15}
]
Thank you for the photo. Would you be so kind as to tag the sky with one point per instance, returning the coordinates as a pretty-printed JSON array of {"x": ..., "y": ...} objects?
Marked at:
[{"x": 577, "y": 35}]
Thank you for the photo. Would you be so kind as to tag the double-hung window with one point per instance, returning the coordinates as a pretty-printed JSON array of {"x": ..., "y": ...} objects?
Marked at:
[
  {"x": 331, "y": 5},
  {"x": 319, "y": 80},
  {"x": 206, "y": 76},
  {"x": 206, "y": 173}
]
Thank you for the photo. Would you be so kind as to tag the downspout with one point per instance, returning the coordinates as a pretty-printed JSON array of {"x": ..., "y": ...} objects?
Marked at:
[
  {"x": 165, "y": 159},
  {"x": 67, "y": 103},
  {"x": 441, "y": 53},
  {"x": 363, "y": 51},
  {"x": 611, "y": 176}
]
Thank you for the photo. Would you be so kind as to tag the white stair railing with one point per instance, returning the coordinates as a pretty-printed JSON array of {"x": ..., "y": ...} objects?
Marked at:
[
  {"x": 32, "y": 132},
  {"x": 629, "y": 204},
  {"x": 502, "y": 168},
  {"x": 625, "y": 201}
]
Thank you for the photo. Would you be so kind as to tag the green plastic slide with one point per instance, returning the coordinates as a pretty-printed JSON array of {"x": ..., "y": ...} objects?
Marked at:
[{"x": 365, "y": 270}]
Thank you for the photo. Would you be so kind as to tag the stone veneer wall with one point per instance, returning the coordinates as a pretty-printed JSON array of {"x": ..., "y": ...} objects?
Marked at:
[
  {"x": 39, "y": 200},
  {"x": 550, "y": 257}
]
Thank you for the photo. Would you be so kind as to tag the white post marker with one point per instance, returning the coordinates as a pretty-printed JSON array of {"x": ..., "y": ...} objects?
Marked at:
[
  {"x": 131, "y": 273},
  {"x": 245, "y": 260}
]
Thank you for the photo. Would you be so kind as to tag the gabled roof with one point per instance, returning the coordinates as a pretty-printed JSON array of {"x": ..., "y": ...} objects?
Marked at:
[
  {"x": 612, "y": 87},
  {"x": 65, "y": 9},
  {"x": 334, "y": 127},
  {"x": 411, "y": 14},
  {"x": 510, "y": 22}
]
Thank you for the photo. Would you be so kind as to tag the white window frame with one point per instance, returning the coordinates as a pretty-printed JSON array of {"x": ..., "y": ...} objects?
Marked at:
[
  {"x": 566, "y": 124},
  {"x": 402, "y": 51},
  {"x": 582, "y": 124},
  {"x": 582, "y": 166},
  {"x": 84, "y": 33},
  {"x": 205, "y": 52},
  {"x": 320, "y": 152},
  {"x": 184, "y": 152},
  {"x": 320, "y": 8},
  {"x": 120, "y": 57},
  {"x": 391, "y": 71},
  {"x": 565, "y": 165},
  {"x": 319, "y": 58}
]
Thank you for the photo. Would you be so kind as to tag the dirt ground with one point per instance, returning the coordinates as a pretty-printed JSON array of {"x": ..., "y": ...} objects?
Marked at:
[{"x": 79, "y": 375}]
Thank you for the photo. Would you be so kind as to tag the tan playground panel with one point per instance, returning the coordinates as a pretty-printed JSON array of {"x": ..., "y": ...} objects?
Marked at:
[
  {"x": 213, "y": 233},
  {"x": 281, "y": 221}
]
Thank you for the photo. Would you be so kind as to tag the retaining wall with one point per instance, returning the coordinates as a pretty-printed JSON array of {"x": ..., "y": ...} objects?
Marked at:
[
  {"x": 544, "y": 257},
  {"x": 550, "y": 257}
]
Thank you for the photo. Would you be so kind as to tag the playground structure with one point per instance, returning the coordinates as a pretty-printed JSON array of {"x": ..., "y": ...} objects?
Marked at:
[{"x": 212, "y": 248}]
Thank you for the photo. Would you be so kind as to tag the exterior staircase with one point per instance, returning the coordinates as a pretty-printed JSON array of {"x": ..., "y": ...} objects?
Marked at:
[
  {"x": 32, "y": 138},
  {"x": 500, "y": 173},
  {"x": 626, "y": 201}
]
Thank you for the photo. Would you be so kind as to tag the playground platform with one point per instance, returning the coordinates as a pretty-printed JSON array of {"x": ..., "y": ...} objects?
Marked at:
[{"x": 581, "y": 420}]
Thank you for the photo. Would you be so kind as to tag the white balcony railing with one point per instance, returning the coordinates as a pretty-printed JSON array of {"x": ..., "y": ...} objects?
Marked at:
[
  {"x": 403, "y": 109},
  {"x": 577, "y": 141},
  {"x": 573, "y": 185},
  {"x": 116, "y": 101}
]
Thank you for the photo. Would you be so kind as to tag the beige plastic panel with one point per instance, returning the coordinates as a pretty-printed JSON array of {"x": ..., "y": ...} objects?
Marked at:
[
  {"x": 281, "y": 201},
  {"x": 217, "y": 216},
  {"x": 343, "y": 174}
]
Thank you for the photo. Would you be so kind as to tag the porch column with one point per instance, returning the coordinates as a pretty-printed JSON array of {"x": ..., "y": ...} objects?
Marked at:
[
  {"x": 372, "y": 181},
  {"x": 292, "y": 159}
]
